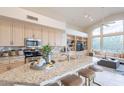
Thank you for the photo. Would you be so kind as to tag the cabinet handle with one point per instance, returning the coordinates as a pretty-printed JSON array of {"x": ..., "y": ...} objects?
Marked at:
[
  {"x": 33, "y": 36},
  {"x": 11, "y": 43}
]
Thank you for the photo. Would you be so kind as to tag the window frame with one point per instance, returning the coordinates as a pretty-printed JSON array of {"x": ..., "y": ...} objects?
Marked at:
[
  {"x": 113, "y": 36},
  {"x": 113, "y": 32},
  {"x": 107, "y": 35},
  {"x": 99, "y": 42},
  {"x": 94, "y": 30}
]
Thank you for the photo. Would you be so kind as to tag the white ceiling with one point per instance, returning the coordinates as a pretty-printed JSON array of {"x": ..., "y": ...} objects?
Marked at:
[{"x": 74, "y": 16}]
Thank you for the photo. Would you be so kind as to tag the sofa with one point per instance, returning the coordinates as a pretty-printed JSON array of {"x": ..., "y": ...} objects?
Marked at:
[{"x": 102, "y": 54}]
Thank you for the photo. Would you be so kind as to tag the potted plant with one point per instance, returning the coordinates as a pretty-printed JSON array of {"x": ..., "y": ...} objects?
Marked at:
[{"x": 46, "y": 51}]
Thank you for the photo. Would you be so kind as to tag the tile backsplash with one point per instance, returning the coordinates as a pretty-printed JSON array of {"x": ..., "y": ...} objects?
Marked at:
[{"x": 10, "y": 48}]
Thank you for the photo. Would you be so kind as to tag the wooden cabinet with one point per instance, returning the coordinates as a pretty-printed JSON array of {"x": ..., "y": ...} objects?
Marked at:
[
  {"x": 5, "y": 33},
  {"x": 52, "y": 37},
  {"x": 58, "y": 37},
  {"x": 18, "y": 34},
  {"x": 37, "y": 31},
  {"x": 73, "y": 40},
  {"x": 28, "y": 31},
  {"x": 32, "y": 31},
  {"x": 45, "y": 36},
  {"x": 13, "y": 33}
]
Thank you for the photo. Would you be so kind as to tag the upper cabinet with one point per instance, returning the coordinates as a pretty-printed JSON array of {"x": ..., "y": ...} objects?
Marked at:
[
  {"x": 18, "y": 34},
  {"x": 5, "y": 33},
  {"x": 33, "y": 31},
  {"x": 28, "y": 31},
  {"x": 58, "y": 38},
  {"x": 45, "y": 36},
  {"x": 37, "y": 32},
  {"x": 52, "y": 37},
  {"x": 13, "y": 33}
]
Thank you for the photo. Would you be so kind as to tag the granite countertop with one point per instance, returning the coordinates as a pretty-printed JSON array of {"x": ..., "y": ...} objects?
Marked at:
[
  {"x": 11, "y": 57},
  {"x": 25, "y": 75}
]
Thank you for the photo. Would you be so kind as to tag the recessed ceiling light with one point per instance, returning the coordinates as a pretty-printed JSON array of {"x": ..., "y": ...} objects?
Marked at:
[
  {"x": 86, "y": 16},
  {"x": 89, "y": 17},
  {"x": 91, "y": 20}
]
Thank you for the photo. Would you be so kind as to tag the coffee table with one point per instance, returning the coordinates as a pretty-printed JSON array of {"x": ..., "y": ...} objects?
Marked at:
[{"x": 109, "y": 63}]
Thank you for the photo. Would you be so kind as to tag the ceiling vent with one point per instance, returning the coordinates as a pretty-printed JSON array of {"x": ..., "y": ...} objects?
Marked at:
[{"x": 32, "y": 18}]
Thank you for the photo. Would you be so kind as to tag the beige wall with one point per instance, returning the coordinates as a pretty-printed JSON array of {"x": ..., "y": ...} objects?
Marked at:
[
  {"x": 89, "y": 41},
  {"x": 76, "y": 32},
  {"x": 21, "y": 14}
]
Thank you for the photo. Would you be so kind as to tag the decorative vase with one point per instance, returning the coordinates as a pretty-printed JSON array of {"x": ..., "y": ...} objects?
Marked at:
[{"x": 48, "y": 58}]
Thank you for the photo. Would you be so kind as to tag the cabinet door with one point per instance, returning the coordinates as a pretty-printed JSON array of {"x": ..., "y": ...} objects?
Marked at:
[
  {"x": 51, "y": 37},
  {"x": 5, "y": 33},
  {"x": 28, "y": 31},
  {"x": 18, "y": 34},
  {"x": 58, "y": 38},
  {"x": 45, "y": 36},
  {"x": 37, "y": 32}
]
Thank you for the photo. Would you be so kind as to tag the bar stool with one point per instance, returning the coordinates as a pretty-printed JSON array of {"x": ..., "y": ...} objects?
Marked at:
[
  {"x": 71, "y": 80},
  {"x": 96, "y": 68},
  {"x": 88, "y": 74},
  {"x": 53, "y": 84}
]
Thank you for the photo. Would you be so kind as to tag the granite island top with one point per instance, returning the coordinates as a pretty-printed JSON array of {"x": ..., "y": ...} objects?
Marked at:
[{"x": 26, "y": 76}]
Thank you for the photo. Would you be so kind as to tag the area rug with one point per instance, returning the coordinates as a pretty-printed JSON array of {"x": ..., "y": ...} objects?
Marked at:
[{"x": 107, "y": 78}]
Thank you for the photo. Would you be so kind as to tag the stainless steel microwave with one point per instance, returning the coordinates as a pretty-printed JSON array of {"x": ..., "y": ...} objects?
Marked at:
[{"x": 32, "y": 43}]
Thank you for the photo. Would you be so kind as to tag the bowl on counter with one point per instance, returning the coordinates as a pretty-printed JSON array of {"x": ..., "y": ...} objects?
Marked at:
[
  {"x": 20, "y": 52},
  {"x": 5, "y": 54},
  {"x": 13, "y": 53}
]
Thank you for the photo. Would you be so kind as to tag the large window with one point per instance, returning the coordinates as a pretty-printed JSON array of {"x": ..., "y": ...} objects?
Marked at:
[
  {"x": 109, "y": 37},
  {"x": 113, "y": 27},
  {"x": 96, "y": 32},
  {"x": 96, "y": 43},
  {"x": 113, "y": 43}
]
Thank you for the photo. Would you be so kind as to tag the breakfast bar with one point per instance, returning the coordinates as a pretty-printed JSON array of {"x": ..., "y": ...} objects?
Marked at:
[{"x": 24, "y": 75}]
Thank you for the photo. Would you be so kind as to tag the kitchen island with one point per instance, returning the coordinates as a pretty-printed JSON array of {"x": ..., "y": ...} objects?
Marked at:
[{"x": 24, "y": 75}]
